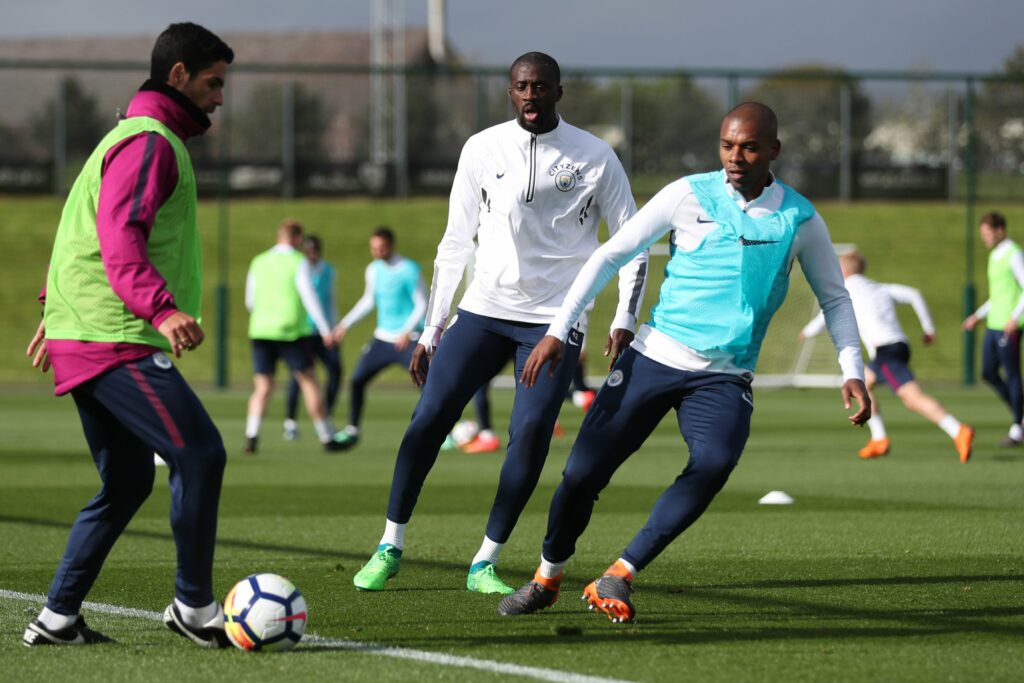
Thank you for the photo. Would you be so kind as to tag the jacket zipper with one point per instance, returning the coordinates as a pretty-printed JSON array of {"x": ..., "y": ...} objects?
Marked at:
[{"x": 533, "y": 168}]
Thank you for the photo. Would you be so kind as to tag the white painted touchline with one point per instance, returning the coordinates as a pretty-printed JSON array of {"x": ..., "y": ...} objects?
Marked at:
[{"x": 315, "y": 641}]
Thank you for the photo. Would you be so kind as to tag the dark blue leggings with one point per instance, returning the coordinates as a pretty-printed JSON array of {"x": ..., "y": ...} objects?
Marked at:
[
  {"x": 376, "y": 356},
  {"x": 482, "y": 404},
  {"x": 128, "y": 414},
  {"x": 713, "y": 410},
  {"x": 471, "y": 352},
  {"x": 999, "y": 351},
  {"x": 331, "y": 358}
]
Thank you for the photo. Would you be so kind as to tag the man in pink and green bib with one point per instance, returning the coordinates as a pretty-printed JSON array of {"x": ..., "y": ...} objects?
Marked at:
[{"x": 123, "y": 291}]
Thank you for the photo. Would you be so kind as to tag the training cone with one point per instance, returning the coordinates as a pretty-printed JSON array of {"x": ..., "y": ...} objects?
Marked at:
[{"x": 776, "y": 498}]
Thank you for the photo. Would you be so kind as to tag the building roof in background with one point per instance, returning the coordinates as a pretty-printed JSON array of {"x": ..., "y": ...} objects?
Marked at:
[{"x": 285, "y": 47}]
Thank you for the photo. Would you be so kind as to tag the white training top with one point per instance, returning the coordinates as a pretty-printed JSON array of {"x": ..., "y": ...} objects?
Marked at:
[
  {"x": 676, "y": 208},
  {"x": 1017, "y": 266},
  {"x": 533, "y": 202},
  {"x": 875, "y": 306},
  {"x": 303, "y": 283}
]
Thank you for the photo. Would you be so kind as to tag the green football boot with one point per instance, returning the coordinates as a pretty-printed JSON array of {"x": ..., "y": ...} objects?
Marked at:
[
  {"x": 482, "y": 578},
  {"x": 382, "y": 566}
]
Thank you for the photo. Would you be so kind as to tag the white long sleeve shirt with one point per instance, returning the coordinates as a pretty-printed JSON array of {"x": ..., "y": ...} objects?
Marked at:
[
  {"x": 676, "y": 209},
  {"x": 303, "y": 283},
  {"x": 875, "y": 306},
  {"x": 533, "y": 202}
]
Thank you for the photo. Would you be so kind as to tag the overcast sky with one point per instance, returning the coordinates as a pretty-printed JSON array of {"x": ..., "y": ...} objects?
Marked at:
[{"x": 937, "y": 35}]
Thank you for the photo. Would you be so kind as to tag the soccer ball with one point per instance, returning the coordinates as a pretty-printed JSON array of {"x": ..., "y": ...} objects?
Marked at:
[
  {"x": 583, "y": 399},
  {"x": 464, "y": 432},
  {"x": 264, "y": 612}
]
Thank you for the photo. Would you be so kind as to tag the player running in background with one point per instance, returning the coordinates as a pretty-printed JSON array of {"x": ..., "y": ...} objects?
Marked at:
[
  {"x": 889, "y": 351},
  {"x": 532, "y": 191},
  {"x": 395, "y": 288},
  {"x": 124, "y": 286},
  {"x": 1002, "y": 313},
  {"x": 324, "y": 280},
  {"x": 280, "y": 297},
  {"x": 734, "y": 235}
]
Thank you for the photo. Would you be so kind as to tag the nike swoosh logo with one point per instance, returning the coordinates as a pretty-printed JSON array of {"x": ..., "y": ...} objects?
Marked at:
[
  {"x": 301, "y": 616},
  {"x": 704, "y": 220},
  {"x": 753, "y": 243},
  {"x": 499, "y": 176}
]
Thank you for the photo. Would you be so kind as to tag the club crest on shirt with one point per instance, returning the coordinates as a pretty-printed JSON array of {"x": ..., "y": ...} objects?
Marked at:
[
  {"x": 615, "y": 379},
  {"x": 567, "y": 176}
]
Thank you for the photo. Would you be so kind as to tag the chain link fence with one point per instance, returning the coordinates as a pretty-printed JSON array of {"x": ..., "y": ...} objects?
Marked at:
[{"x": 337, "y": 130}]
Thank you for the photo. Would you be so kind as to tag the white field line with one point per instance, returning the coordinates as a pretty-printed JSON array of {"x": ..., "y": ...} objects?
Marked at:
[{"x": 314, "y": 641}]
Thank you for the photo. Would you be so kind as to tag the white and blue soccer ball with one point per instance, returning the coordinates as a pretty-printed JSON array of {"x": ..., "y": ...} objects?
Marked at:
[
  {"x": 265, "y": 612},
  {"x": 465, "y": 431}
]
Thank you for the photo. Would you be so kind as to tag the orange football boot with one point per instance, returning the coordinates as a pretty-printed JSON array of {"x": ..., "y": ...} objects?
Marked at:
[
  {"x": 964, "y": 440},
  {"x": 610, "y": 593},
  {"x": 484, "y": 442},
  {"x": 876, "y": 448}
]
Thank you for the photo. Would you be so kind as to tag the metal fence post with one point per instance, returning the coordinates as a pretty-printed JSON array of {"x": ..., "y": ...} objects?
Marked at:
[
  {"x": 845, "y": 142},
  {"x": 60, "y": 137},
  {"x": 223, "y": 253},
  {"x": 627, "y": 126},
  {"x": 971, "y": 177},
  {"x": 399, "y": 122},
  {"x": 288, "y": 139},
  {"x": 952, "y": 172},
  {"x": 482, "y": 100}
]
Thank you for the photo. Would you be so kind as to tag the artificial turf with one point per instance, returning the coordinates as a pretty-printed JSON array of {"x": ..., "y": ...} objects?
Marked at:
[{"x": 903, "y": 568}]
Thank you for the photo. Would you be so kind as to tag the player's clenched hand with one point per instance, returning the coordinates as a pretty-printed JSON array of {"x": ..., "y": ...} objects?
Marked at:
[
  {"x": 182, "y": 331},
  {"x": 37, "y": 349},
  {"x": 969, "y": 322},
  {"x": 854, "y": 389},
  {"x": 549, "y": 349},
  {"x": 419, "y": 364},
  {"x": 618, "y": 341}
]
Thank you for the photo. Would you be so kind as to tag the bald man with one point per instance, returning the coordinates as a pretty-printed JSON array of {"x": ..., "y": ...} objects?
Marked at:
[{"x": 734, "y": 235}]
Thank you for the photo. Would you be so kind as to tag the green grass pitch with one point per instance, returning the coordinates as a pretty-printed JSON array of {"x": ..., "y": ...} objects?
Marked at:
[
  {"x": 906, "y": 568},
  {"x": 921, "y": 244}
]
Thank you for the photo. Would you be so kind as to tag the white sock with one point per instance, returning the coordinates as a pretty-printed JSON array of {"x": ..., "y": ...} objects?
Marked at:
[
  {"x": 877, "y": 427},
  {"x": 197, "y": 617},
  {"x": 628, "y": 565},
  {"x": 252, "y": 426},
  {"x": 950, "y": 425},
  {"x": 1016, "y": 432},
  {"x": 486, "y": 434},
  {"x": 324, "y": 429},
  {"x": 353, "y": 430},
  {"x": 290, "y": 425},
  {"x": 551, "y": 570},
  {"x": 489, "y": 552},
  {"x": 54, "y": 621},
  {"x": 394, "y": 534}
]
